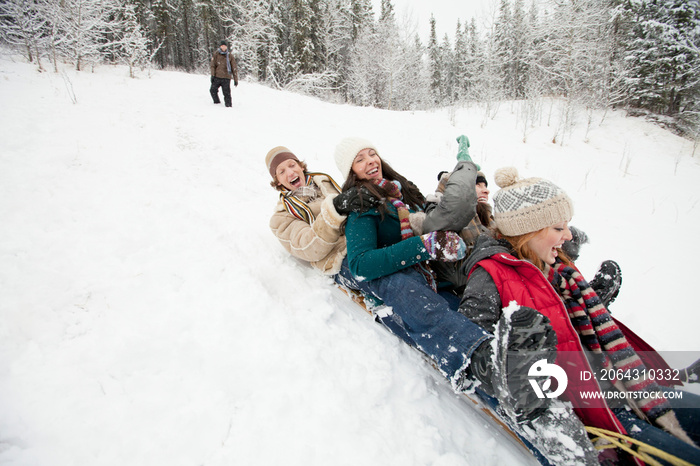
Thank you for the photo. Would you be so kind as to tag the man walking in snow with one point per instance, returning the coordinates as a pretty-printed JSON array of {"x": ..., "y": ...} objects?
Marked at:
[{"x": 223, "y": 68}]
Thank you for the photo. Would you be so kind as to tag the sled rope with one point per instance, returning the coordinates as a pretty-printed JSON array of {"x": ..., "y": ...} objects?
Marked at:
[{"x": 644, "y": 452}]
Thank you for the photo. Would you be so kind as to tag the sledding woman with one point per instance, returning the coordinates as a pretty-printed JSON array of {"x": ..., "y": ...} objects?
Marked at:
[
  {"x": 526, "y": 266},
  {"x": 309, "y": 213},
  {"x": 389, "y": 261}
]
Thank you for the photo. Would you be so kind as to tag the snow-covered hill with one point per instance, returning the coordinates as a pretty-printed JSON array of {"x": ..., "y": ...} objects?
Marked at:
[{"x": 149, "y": 317}]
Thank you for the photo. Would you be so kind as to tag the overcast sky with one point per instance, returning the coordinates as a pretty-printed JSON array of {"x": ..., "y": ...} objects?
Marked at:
[{"x": 446, "y": 13}]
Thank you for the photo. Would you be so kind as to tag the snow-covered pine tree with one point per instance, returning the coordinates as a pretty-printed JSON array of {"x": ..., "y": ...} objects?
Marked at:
[
  {"x": 461, "y": 57},
  {"x": 475, "y": 62},
  {"x": 662, "y": 54},
  {"x": 305, "y": 44},
  {"x": 503, "y": 48},
  {"x": 435, "y": 64},
  {"x": 413, "y": 90},
  {"x": 362, "y": 17},
  {"x": 520, "y": 42},
  {"x": 163, "y": 17},
  {"x": 277, "y": 43},
  {"x": 448, "y": 88}
]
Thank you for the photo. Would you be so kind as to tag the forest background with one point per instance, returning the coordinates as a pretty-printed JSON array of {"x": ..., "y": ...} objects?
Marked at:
[{"x": 563, "y": 59}]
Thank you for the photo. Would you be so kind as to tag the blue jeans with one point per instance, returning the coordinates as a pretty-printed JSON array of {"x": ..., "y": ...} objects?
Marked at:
[
  {"x": 687, "y": 411},
  {"x": 423, "y": 318}
]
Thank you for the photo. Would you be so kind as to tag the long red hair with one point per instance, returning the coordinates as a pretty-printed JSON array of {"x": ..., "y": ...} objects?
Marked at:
[{"x": 523, "y": 251}]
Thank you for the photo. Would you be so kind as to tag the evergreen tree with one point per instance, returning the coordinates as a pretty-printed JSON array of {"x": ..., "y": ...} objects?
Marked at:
[
  {"x": 475, "y": 62},
  {"x": 305, "y": 46},
  {"x": 504, "y": 49},
  {"x": 362, "y": 17},
  {"x": 163, "y": 31},
  {"x": 448, "y": 92},
  {"x": 461, "y": 58},
  {"x": 520, "y": 42},
  {"x": 435, "y": 63},
  {"x": 662, "y": 54}
]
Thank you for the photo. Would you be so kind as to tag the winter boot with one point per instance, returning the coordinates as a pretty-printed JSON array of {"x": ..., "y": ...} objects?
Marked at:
[
  {"x": 607, "y": 281},
  {"x": 522, "y": 339}
]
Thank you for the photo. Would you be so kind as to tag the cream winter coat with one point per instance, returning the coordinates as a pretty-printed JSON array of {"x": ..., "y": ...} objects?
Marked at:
[{"x": 319, "y": 243}]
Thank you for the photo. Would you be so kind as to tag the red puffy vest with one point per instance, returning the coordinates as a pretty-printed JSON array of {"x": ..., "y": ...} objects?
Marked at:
[{"x": 522, "y": 282}]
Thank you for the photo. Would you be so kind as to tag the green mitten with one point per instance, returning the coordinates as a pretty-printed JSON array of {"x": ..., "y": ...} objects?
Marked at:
[{"x": 463, "y": 152}]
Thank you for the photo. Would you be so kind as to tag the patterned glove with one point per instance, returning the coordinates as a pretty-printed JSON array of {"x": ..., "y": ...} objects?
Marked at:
[
  {"x": 444, "y": 246},
  {"x": 355, "y": 200}
]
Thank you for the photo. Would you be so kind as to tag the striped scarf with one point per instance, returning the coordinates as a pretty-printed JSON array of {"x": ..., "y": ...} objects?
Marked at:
[
  {"x": 393, "y": 189},
  {"x": 601, "y": 335},
  {"x": 228, "y": 62},
  {"x": 296, "y": 206}
]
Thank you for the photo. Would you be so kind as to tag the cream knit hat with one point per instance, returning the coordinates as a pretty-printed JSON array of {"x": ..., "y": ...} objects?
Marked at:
[
  {"x": 346, "y": 151},
  {"x": 527, "y": 205}
]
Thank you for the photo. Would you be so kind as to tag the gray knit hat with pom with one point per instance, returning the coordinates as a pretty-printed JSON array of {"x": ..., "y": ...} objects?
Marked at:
[{"x": 526, "y": 205}]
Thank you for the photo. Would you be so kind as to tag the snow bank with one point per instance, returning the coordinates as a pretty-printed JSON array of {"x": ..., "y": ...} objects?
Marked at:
[{"x": 148, "y": 316}]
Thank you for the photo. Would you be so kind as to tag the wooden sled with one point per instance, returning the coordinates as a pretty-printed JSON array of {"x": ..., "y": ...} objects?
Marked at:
[{"x": 358, "y": 298}]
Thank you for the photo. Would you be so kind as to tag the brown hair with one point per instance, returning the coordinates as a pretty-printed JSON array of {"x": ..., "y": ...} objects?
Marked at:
[
  {"x": 485, "y": 213},
  {"x": 521, "y": 250},
  {"x": 278, "y": 186},
  {"x": 412, "y": 196}
]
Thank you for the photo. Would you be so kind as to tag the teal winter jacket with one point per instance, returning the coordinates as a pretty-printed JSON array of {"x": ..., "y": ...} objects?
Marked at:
[{"x": 375, "y": 248}]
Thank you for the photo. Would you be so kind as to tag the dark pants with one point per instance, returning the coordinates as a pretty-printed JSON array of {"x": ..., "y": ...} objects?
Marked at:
[
  {"x": 422, "y": 318},
  {"x": 225, "y": 85}
]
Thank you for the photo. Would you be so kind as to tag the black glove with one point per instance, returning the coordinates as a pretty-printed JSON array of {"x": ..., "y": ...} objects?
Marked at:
[
  {"x": 212, "y": 79},
  {"x": 354, "y": 200},
  {"x": 573, "y": 246},
  {"x": 235, "y": 84},
  {"x": 691, "y": 374}
]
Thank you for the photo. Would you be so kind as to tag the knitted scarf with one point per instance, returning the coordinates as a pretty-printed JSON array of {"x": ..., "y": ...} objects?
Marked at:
[
  {"x": 228, "y": 63},
  {"x": 393, "y": 189},
  {"x": 298, "y": 207},
  {"x": 600, "y": 334}
]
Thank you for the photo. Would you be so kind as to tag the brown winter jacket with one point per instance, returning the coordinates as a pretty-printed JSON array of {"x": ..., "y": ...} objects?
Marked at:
[
  {"x": 320, "y": 242},
  {"x": 219, "y": 68}
]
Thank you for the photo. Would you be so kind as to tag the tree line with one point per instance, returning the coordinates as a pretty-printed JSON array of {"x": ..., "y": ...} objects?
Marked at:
[{"x": 643, "y": 55}]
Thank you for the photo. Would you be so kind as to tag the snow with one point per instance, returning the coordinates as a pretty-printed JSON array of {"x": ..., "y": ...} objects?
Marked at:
[{"x": 148, "y": 316}]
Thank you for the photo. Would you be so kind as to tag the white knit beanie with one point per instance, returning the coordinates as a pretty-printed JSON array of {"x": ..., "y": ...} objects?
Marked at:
[
  {"x": 346, "y": 151},
  {"x": 527, "y": 205}
]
